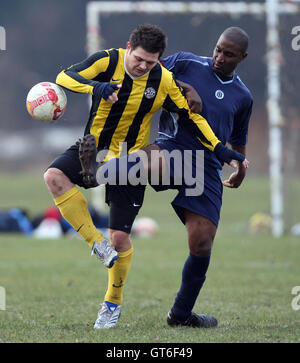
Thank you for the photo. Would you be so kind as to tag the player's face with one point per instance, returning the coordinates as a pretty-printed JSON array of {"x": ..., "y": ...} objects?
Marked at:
[
  {"x": 227, "y": 55},
  {"x": 139, "y": 62}
]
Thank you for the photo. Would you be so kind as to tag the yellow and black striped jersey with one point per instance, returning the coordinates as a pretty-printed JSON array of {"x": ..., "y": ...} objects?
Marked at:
[{"x": 129, "y": 119}]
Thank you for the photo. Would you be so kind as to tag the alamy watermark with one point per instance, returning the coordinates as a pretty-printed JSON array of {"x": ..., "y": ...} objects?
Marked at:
[
  {"x": 2, "y": 298},
  {"x": 2, "y": 38},
  {"x": 296, "y": 300},
  {"x": 159, "y": 167},
  {"x": 296, "y": 39}
]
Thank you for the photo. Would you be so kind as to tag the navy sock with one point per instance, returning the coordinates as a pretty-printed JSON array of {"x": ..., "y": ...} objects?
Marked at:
[{"x": 193, "y": 277}]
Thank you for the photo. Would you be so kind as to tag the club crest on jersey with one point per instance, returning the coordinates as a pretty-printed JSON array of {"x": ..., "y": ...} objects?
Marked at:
[
  {"x": 219, "y": 94},
  {"x": 150, "y": 92}
]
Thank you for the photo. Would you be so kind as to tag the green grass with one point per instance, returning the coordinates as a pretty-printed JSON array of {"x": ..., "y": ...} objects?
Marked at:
[{"x": 54, "y": 288}]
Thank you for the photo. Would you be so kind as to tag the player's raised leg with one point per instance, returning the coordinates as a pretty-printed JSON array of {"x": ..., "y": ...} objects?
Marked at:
[{"x": 74, "y": 208}]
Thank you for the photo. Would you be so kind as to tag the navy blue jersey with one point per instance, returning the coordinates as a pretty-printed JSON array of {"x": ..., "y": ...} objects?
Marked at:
[{"x": 227, "y": 105}]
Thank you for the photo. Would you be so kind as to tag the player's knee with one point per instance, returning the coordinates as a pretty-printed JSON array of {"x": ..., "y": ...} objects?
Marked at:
[
  {"x": 200, "y": 245},
  {"x": 48, "y": 177},
  {"x": 55, "y": 180},
  {"x": 51, "y": 177},
  {"x": 201, "y": 250},
  {"x": 120, "y": 240}
]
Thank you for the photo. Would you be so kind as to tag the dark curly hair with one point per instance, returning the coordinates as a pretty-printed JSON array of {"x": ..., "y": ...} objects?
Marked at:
[{"x": 150, "y": 37}]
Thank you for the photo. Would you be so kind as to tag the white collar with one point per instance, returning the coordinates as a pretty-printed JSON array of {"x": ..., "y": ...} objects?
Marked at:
[
  {"x": 224, "y": 82},
  {"x": 132, "y": 77}
]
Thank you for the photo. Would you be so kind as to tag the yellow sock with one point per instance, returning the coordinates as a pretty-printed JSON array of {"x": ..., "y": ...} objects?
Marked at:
[
  {"x": 117, "y": 276},
  {"x": 73, "y": 207}
]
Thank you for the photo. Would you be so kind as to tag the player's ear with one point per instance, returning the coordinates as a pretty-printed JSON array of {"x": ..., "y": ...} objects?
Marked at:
[
  {"x": 128, "y": 47},
  {"x": 244, "y": 56}
]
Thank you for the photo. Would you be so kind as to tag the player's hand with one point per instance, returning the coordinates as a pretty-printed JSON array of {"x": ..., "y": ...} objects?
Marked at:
[
  {"x": 235, "y": 179},
  {"x": 193, "y": 99},
  {"x": 107, "y": 90},
  {"x": 245, "y": 164},
  {"x": 114, "y": 97},
  {"x": 224, "y": 154}
]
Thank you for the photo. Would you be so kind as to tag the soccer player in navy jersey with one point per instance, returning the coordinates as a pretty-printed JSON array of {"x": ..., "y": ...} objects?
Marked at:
[{"x": 227, "y": 105}]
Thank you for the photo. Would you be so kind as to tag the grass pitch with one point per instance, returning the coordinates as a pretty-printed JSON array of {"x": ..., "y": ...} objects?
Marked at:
[{"x": 54, "y": 288}]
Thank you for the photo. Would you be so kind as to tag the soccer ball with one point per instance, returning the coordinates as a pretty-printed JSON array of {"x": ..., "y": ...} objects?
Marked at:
[
  {"x": 144, "y": 227},
  {"x": 46, "y": 102},
  {"x": 260, "y": 222}
]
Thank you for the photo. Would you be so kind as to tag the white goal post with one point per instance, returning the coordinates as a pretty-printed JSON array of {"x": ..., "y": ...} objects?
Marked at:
[{"x": 272, "y": 10}]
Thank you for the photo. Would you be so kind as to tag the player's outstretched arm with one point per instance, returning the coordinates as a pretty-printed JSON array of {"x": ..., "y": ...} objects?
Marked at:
[
  {"x": 107, "y": 90},
  {"x": 236, "y": 178},
  {"x": 80, "y": 77},
  {"x": 227, "y": 155},
  {"x": 193, "y": 99},
  {"x": 76, "y": 83}
]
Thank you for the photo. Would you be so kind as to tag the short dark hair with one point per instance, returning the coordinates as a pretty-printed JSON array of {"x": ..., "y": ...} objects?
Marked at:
[
  {"x": 237, "y": 35},
  {"x": 150, "y": 37}
]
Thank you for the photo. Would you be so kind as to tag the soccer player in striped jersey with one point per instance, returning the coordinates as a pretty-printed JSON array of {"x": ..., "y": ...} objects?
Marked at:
[{"x": 128, "y": 86}]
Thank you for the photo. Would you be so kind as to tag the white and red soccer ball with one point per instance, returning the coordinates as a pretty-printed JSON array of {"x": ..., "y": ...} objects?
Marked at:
[
  {"x": 145, "y": 227},
  {"x": 46, "y": 102}
]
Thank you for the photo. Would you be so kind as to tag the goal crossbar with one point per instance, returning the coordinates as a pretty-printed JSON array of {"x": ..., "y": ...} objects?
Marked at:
[{"x": 254, "y": 8}]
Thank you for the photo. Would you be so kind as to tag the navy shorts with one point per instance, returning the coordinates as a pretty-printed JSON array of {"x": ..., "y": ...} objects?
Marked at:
[
  {"x": 207, "y": 199},
  {"x": 124, "y": 201}
]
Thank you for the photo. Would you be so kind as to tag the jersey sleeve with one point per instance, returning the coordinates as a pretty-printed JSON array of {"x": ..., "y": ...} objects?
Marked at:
[
  {"x": 239, "y": 135},
  {"x": 81, "y": 77},
  {"x": 198, "y": 125},
  {"x": 175, "y": 63}
]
